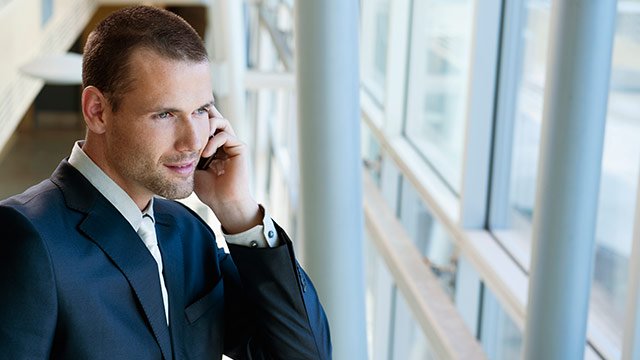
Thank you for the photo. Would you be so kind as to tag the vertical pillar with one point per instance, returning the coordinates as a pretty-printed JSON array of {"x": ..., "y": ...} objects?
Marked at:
[
  {"x": 226, "y": 42},
  {"x": 327, "y": 70},
  {"x": 575, "y": 108}
]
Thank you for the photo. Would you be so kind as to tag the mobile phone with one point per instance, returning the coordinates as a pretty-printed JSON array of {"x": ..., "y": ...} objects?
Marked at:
[{"x": 204, "y": 162}]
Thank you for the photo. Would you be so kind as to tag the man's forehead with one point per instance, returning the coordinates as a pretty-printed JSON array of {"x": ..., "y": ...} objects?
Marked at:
[
  {"x": 146, "y": 63},
  {"x": 146, "y": 56},
  {"x": 157, "y": 82}
]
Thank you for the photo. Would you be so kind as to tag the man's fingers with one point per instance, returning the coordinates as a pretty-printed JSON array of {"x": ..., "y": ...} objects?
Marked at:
[
  {"x": 214, "y": 113},
  {"x": 219, "y": 124},
  {"x": 224, "y": 140}
]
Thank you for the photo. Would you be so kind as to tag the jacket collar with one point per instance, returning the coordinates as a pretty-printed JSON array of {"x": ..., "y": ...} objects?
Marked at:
[
  {"x": 170, "y": 242},
  {"x": 110, "y": 231}
]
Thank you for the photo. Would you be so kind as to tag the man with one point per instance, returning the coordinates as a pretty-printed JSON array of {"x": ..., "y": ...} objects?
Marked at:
[{"x": 92, "y": 266}]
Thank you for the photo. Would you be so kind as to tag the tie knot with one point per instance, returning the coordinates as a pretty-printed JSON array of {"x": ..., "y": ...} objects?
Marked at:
[{"x": 147, "y": 231}]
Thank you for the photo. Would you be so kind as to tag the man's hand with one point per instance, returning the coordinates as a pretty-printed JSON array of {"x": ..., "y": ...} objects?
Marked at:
[{"x": 224, "y": 185}]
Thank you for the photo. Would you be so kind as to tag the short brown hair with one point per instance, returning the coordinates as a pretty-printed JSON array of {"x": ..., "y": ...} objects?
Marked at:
[{"x": 109, "y": 47}]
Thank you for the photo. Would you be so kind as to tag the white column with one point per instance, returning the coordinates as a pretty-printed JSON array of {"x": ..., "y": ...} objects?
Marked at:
[
  {"x": 329, "y": 148},
  {"x": 226, "y": 43},
  {"x": 575, "y": 108}
]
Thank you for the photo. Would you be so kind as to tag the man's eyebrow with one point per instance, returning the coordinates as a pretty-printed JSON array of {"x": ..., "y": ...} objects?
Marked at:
[
  {"x": 209, "y": 104},
  {"x": 165, "y": 109},
  {"x": 176, "y": 110}
]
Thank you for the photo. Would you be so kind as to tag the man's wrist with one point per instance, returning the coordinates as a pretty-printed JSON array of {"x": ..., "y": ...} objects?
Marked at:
[
  {"x": 263, "y": 235},
  {"x": 238, "y": 217}
]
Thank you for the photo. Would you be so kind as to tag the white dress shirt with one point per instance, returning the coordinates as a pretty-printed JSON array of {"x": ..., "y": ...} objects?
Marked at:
[{"x": 264, "y": 235}]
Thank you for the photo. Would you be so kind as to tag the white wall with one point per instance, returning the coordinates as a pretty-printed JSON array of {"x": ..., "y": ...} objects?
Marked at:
[{"x": 23, "y": 38}]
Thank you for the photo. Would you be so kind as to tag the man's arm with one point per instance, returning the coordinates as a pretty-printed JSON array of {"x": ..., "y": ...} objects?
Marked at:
[
  {"x": 28, "y": 305},
  {"x": 289, "y": 322}
]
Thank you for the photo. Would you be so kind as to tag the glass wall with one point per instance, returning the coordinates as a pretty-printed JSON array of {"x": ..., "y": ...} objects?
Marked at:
[
  {"x": 409, "y": 341},
  {"x": 437, "y": 83},
  {"x": 499, "y": 335},
  {"x": 415, "y": 118},
  {"x": 620, "y": 160},
  {"x": 374, "y": 40},
  {"x": 429, "y": 237},
  {"x": 618, "y": 184}
]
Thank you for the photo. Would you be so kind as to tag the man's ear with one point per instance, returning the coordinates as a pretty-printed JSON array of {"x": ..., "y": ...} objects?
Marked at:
[{"x": 94, "y": 109}]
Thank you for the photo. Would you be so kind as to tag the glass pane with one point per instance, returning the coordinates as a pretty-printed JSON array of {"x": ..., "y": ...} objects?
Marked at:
[
  {"x": 374, "y": 35},
  {"x": 430, "y": 238},
  {"x": 618, "y": 184},
  {"x": 371, "y": 154},
  {"x": 409, "y": 342},
  {"x": 621, "y": 155},
  {"x": 378, "y": 299},
  {"x": 528, "y": 113},
  {"x": 499, "y": 335},
  {"x": 439, "y": 65},
  {"x": 390, "y": 178}
]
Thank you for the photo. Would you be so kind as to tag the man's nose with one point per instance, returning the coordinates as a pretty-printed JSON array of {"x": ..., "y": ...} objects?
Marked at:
[{"x": 189, "y": 135}]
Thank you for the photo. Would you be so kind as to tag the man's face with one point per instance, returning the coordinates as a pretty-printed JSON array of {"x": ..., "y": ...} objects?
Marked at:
[{"x": 155, "y": 138}]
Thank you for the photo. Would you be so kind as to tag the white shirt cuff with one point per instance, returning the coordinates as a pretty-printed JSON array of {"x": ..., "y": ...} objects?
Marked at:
[{"x": 259, "y": 236}]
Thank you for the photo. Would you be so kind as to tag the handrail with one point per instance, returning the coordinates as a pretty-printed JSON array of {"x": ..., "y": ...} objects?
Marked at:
[{"x": 444, "y": 328}]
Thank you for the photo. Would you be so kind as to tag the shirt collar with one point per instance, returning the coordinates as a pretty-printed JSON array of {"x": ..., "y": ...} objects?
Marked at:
[{"x": 108, "y": 188}]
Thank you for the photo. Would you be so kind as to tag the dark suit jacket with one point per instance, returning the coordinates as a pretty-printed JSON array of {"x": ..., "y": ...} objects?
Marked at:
[{"x": 76, "y": 282}]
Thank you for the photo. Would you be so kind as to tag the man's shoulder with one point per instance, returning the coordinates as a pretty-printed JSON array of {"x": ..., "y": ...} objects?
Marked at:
[
  {"x": 43, "y": 193},
  {"x": 39, "y": 209}
]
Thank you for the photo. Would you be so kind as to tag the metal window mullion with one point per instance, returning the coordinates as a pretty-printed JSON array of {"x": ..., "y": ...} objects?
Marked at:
[
  {"x": 396, "y": 71},
  {"x": 510, "y": 73},
  {"x": 481, "y": 93},
  {"x": 481, "y": 86}
]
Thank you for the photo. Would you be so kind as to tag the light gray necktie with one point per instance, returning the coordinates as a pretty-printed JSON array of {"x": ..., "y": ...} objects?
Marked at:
[{"x": 147, "y": 232}]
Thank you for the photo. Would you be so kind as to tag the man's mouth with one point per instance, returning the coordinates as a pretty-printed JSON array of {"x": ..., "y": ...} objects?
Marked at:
[{"x": 182, "y": 168}]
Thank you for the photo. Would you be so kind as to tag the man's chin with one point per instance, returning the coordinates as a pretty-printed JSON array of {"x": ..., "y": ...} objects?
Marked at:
[
  {"x": 174, "y": 191},
  {"x": 180, "y": 196}
]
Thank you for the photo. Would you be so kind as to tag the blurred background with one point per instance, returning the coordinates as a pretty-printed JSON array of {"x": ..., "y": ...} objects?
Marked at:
[{"x": 449, "y": 99}]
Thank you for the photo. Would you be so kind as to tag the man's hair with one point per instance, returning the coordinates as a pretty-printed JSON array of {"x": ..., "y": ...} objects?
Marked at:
[{"x": 108, "y": 50}]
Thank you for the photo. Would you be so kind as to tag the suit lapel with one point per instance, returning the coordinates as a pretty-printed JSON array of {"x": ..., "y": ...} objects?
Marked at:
[
  {"x": 172, "y": 257},
  {"x": 108, "y": 229}
]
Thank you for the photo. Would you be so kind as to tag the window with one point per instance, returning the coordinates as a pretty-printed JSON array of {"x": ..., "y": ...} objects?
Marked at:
[
  {"x": 378, "y": 299},
  {"x": 621, "y": 155},
  {"x": 499, "y": 335},
  {"x": 619, "y": 179},
  {"x": 371, "y": 154},
  {"x": 532, "y": 56},
  {"x": 437, "y": 86},
  {"x": 430, "y": 238},
  {"x": 409, "y": 341},
  {"x": 375, "y": 31}
]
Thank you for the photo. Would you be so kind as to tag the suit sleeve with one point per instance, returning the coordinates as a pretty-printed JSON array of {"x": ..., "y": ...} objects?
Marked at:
[
  {"x": 289, "y": 322},
  {"x": 28, "y": 302}
]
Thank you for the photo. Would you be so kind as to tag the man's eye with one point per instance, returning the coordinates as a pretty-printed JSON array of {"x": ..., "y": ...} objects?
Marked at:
[
  {"x": 202, "y": 111},
  {"x": 163, "y": 115}
]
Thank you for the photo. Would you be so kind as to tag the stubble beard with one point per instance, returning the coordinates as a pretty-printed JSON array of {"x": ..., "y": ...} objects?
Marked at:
[
  {"x": 163, "y": 186},
  {"x": 151, "y": 175}
]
